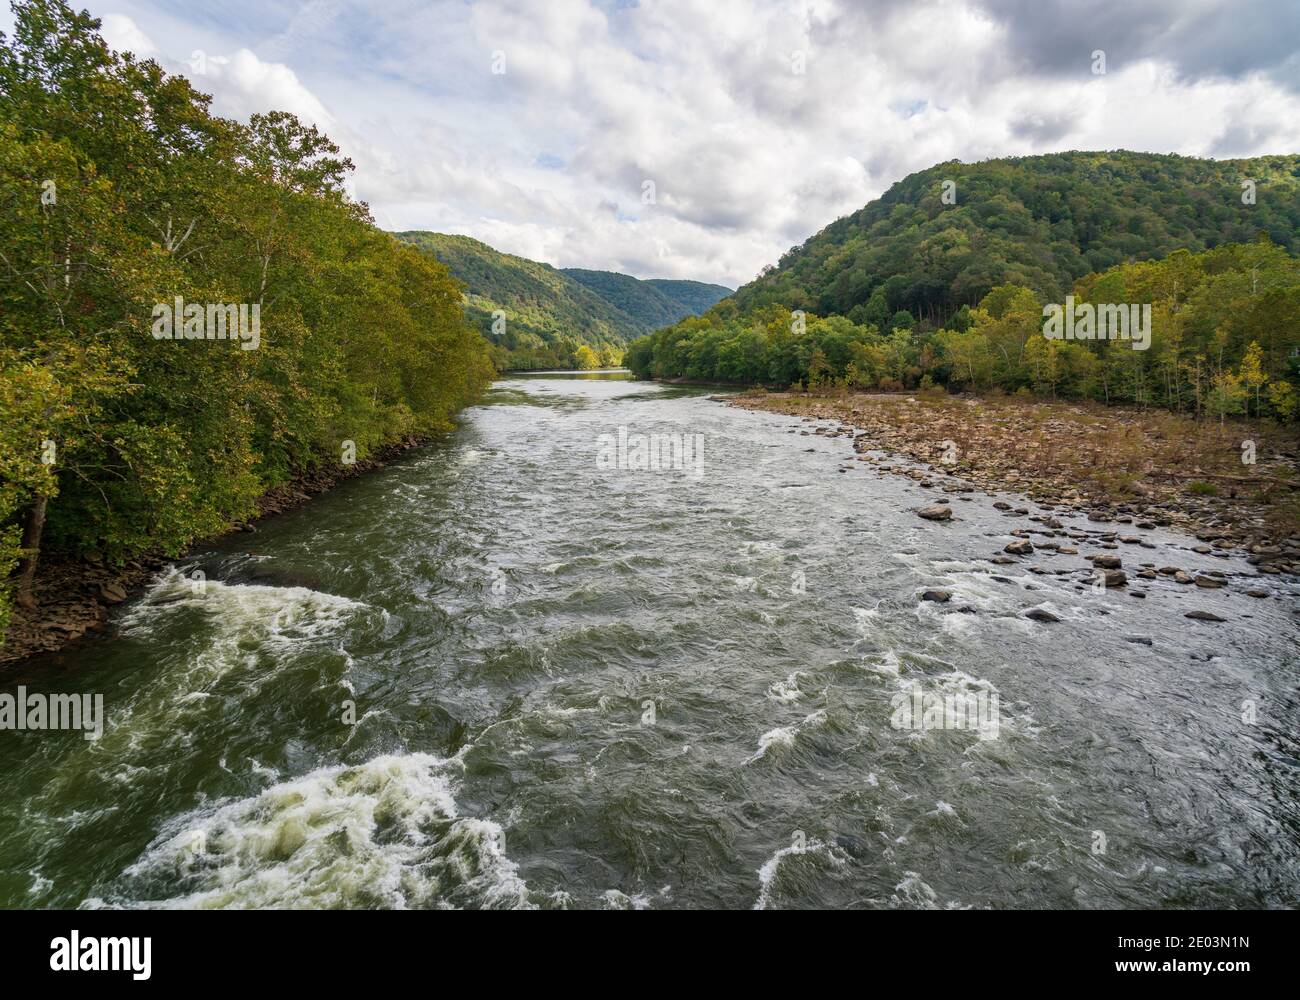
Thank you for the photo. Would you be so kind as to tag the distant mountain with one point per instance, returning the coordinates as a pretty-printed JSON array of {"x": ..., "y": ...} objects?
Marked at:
[
  {"x": 540, "y": 302},
  {"x": 693, "y": 296},
  {"x": 650, "y": 303},
  {"x": 551, "y": 312}
]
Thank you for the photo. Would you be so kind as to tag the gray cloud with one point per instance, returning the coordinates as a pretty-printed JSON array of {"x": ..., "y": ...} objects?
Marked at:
[
  {"x": 1042, "y": 128},
  {"x": 759, "y": 121},
  {"x": 1199, "y": 37}
]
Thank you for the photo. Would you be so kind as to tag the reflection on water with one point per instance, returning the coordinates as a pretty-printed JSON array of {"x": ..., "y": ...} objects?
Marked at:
[{"x": 602, "y": 374}]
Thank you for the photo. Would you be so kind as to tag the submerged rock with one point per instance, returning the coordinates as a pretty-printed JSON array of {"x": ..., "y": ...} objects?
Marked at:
[
  {"x": 1039, "y": 615},
  {"x": 855, "y": 847}
]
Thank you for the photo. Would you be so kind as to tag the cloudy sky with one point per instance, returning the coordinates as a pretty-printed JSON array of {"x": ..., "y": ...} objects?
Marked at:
[{"x": 535, "y": 125}]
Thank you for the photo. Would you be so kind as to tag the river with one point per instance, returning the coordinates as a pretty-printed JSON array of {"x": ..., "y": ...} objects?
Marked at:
[{"x": 501, "y": 673}]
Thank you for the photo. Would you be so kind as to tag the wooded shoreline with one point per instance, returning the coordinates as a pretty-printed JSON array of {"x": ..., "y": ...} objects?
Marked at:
[{"x": 75, "y": 596}]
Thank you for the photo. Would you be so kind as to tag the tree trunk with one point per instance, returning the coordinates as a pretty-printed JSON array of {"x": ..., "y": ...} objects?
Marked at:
[{"x": 32, "y": 545}]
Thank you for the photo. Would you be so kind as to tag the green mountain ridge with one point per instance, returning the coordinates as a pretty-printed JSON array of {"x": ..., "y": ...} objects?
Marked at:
[
  {"x": 917, "y": 290},
  {"x": 653, "y": 302},
  {"x": 551, "y": 312},
  {"x": 694, "y": 296},
  {"x": 1038, "y": 221}
]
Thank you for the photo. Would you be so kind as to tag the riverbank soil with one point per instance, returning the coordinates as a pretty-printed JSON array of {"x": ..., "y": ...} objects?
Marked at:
[
  {"x": 74, "y": 595},
  {"x": 1114, "y": 464}
]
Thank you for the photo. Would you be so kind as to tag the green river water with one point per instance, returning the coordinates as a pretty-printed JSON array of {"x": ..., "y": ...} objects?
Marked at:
[{"x": 497, "y": 674}]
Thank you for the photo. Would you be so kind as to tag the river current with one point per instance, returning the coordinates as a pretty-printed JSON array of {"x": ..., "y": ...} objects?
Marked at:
[{"x": 506, "y": 672}]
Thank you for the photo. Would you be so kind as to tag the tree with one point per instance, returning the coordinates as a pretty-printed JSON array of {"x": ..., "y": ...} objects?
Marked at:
[
  {"x": 1252, "y": 372},
  {"x": 1227, "y": 395},
  {"x": 819, "y": 369},
  {"x": 1284, "y": 400},
  {"x": 120, "y": 194}
]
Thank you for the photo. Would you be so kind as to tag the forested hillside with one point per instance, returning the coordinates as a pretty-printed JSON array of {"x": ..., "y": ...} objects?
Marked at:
[
  {"x": 911, "y": 290},
  {"x": 537, "y": 316},
  {"x": 547, "y": 315},
  {"x": 122, "y": 198},
  {"x": 1042, "y": 222},
  {"x": 1225, "y": 339},
  {"x": 651, "y": 303},
  {"x": 693, "y": 296}
]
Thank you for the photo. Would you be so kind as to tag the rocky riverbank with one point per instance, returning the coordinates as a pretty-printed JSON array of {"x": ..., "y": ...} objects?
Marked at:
[
  {"x": 1117, "y": 467},
  {"x": 74, "y": 596}
]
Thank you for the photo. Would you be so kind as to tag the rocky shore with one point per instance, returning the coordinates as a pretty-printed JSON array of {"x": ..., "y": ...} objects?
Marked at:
[
  {"x": 74, "y": 596},
  {"x": 1122, "y": 470}
]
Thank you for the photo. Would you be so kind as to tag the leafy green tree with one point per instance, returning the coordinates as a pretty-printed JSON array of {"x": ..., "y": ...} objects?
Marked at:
[
  {"x": 119, "y": 193},
  {"x": 1252, "y": 372},
  {"x": 1227, "y": 396}
]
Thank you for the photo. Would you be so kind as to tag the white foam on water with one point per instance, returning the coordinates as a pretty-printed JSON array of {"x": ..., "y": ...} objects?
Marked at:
[
  {"x": 247, "y": 629},
  {"x": 866, "y": 618},
  {"x": 381, "y": 834},
  {"x": 787, "y": 691},
  {"x": 965, "y": 691},
  {"x": 889, "y": 666},
  {"x": 40, "y": 884},
  {"x": 768, "y": 871},
  {"x": 913, "y": 892},
  {"x": 980, "y": 590},
  {"x": 784, "y": 736},
  {"x": 278, "y": 616},
  {"x": 955, "y": 624},
  {"x": 613, "y": 899}
]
